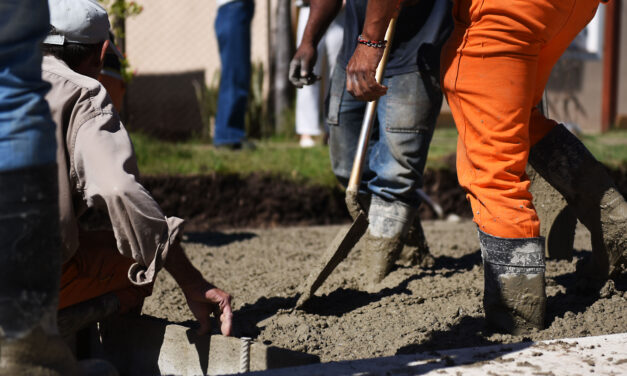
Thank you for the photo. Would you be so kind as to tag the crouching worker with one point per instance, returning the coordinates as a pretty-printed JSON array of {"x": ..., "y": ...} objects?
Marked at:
[{"x": 115, "y": 237}]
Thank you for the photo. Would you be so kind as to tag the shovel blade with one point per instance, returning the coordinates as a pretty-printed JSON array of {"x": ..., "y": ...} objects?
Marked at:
[{"x": 336, "y": 252}]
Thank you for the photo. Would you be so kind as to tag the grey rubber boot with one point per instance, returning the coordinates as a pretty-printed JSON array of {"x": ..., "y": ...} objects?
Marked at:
[
  {"x": 30, "y": 271},
  {"x": 514, "y": 298},
  {"x": 388, "y": 224},
  {"x": 416, "y": 249},
  {"x": 562, "y": 160}
]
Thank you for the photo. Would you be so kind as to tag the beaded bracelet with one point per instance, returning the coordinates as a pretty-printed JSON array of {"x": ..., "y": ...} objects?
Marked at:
[{"x": 372, "y": 43}]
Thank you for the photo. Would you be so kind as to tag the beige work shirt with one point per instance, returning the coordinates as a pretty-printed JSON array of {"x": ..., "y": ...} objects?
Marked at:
[{"x": 98, "y": 172}]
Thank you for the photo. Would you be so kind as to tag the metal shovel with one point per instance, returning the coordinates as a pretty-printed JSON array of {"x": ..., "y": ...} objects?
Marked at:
[{"x": 345, "y": 240}]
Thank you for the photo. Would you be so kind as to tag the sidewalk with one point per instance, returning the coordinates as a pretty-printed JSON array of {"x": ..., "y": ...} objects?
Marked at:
[{"x": 602, "y": 355}]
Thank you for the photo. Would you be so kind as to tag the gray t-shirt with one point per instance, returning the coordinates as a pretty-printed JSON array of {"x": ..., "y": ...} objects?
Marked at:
[{"x": 421, "y": 30}]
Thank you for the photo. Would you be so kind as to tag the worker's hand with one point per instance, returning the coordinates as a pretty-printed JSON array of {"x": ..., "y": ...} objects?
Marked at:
[
  {"x": 361, "y": 70},
  {"x": 302, "y": 64},
  {"x": 203, "y": 299}
]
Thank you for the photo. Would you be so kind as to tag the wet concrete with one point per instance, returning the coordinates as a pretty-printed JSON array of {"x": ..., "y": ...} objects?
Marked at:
[{"x": 412, "y": 310}]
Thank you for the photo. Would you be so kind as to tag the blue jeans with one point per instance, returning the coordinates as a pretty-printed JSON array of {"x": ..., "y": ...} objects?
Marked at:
[
  {"x": 27, "y": 133},
  {"x": 232, "y": 27},
  {"x": 399, "y": 144},
  {"x": 30, "y": 256}
]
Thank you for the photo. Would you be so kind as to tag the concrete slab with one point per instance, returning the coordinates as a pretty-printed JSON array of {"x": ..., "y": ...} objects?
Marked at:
[
  {"x": 602, "y": 355},
  {"x": 145, "y": 346}
]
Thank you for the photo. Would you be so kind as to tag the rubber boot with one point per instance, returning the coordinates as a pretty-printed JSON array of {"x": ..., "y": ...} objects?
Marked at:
[
  {"x": 416, "y": 250},
  {"x": 514, "y": 298},
  {"x": 388, "y": 224},
  {"x": 30, "y": 269},
  {"x": 562, "y": 160}
]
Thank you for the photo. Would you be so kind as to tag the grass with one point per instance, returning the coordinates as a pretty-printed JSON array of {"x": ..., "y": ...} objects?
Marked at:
[
  {"x": 285, "y": 158},
  {"x": 610, "y": 147}
]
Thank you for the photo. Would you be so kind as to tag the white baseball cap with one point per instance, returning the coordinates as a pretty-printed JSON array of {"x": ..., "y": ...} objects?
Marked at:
[{"x": 77, "y": 21}]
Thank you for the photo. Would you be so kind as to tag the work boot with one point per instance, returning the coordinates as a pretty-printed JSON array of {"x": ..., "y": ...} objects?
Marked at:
[
  {"x": 416, "y": 249},
  {"x": 514, "y": 299},
  {"x": 388, "y": 224},
  {"x": 562, "y": 160},
  {"x": 30, "y": 271},
  {"x": 41, "y": 353}
]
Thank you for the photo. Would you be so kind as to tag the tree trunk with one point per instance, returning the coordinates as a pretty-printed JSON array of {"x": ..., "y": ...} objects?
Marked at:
[{"x": 283, "y": 50}]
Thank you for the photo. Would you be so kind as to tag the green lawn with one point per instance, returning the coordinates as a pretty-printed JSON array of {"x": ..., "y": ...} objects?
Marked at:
[{"x": 287, "y": 159}]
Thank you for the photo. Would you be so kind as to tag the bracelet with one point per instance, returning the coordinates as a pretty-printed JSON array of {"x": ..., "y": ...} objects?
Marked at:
[{"x": 372, "y": 43}]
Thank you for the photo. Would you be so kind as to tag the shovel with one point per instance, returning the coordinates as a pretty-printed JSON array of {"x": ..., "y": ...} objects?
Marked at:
[{"x": 345, "y": 240}]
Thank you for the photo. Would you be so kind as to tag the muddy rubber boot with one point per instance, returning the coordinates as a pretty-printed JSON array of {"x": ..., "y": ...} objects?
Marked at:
[
  {"x": 563, "y": 161},
  {"x": 416, "y": 250},
  {"x": 30, "y": 271},
  {"x": 388, "y": 224},
  {"x": 514, "y": 298}
]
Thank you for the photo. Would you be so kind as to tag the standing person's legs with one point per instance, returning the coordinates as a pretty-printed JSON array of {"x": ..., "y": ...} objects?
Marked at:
[
  {"x": 30, "y": 253},
  {"x": 345, "y": 115},
  {"x": 407, "y": 119},
  {"x": 308, "y": 97},
  {"x": 232, "y": 27},
  {"x": 565, "y": 162},
  {"x": 490, "y": 69}
]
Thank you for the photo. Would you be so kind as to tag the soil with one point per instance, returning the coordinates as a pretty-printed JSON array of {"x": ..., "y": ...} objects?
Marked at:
[
  {"x": 411, "y": 310},
  {"x": 219, "y": 201},
  {"x": 222, "y": 201}
]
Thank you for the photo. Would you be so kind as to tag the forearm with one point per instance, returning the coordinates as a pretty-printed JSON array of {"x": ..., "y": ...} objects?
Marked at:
[
  {"x": 378, "y": 16},
  {"x": 181, "y": 268},
  {"x": 321, "y": 14}
]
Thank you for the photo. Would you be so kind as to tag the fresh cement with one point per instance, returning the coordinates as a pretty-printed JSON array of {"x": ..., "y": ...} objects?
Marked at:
[{"x": 412, "y": 310}]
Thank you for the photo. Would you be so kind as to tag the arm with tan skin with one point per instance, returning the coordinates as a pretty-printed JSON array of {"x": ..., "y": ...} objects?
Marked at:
[
  {"x": 361, "y": 69},
  {"x": 321, "y": 14},
  {"x": 203, "y": 298}
]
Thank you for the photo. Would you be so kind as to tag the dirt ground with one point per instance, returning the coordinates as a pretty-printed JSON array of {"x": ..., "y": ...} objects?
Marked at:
[{"x": 412, "y": 310}]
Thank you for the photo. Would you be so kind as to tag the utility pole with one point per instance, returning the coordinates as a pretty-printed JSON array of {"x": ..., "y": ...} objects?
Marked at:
[{"x": 611, "y": 56}]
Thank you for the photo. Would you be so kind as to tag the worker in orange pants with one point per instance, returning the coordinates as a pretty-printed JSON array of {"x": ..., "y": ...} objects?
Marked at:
[{"x": 494, "y": 69}]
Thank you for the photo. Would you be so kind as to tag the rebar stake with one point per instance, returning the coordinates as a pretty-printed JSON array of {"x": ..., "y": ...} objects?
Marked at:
[{"x": 244, "y": 357}]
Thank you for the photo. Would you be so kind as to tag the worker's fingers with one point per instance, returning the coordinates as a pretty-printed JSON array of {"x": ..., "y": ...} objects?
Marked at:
[
  {"x": 295, "y": 73},
  {"x": 222, "y": 308}
]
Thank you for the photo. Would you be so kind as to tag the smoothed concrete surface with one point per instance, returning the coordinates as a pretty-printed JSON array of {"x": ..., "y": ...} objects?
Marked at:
[{"x": 601, "y": 355}]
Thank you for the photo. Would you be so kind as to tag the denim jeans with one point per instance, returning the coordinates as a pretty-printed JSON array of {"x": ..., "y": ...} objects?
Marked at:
[
  {"x": 27, "y": 133},
  {"x": 232, "y": 28},
  {"x": 398, "y": 147},
  {"x": 30, "y": 256}
]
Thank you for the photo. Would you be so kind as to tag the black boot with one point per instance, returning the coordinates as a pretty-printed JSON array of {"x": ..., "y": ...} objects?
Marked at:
[
  {"x": 514, "y": 299},
  {"x": 562, "y": 160},
  {"x": 30, "y": 271}
]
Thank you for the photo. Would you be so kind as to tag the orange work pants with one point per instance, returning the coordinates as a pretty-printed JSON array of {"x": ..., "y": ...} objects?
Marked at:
[
  {"x": 494, "y": 69},
  {"x": 96, "y": 269}
]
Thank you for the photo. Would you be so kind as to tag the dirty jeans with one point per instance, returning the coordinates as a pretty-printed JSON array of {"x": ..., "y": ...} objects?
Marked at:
[
  {"x": 398, "y": 147},
  {"x": 30, "y": 257},
  {"x": 495, "y": 66},
  {"x": 232, "y": 26}
]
